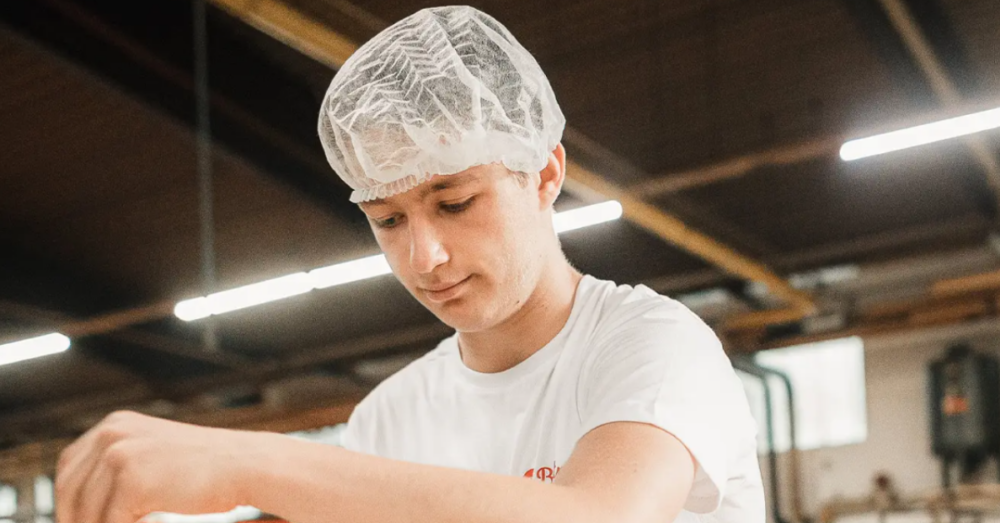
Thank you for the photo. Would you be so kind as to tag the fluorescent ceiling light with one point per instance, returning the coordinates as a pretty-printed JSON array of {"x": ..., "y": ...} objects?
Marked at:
[
  {"x": 33, "y": 348},
  {"x": 587, "y": 216},
  {"x": 920, "y": 135},
  {"x": 280, "y": 288},
  {"x": 243, "y": 297},
  {"x": 347, "y": 272},
  {"x": 351, "y": 271}
]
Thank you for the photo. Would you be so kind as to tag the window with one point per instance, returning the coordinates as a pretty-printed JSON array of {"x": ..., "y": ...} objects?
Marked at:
[
  {"x": 44, "y": 499},
  {"x": 828, "y": 380},
  {"x": 8, "y": 503}
]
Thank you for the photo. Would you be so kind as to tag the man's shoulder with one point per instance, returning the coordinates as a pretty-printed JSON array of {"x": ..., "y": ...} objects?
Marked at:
[{"x": 623, "y": 308}]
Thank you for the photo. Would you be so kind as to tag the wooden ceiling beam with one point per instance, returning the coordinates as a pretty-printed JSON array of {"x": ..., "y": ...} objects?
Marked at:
[
  {"x": 46, "y": 418},
  {"x": 968, "y": 227},
  {"x": 925, "y": 303},
  {"x": 971, "y": 227},
  {"x": 676, "y": 232},
  {"x": 598, "y": 158},
  {"x": 117, "y": 326},
  {"x": 896, "y": 318},
  {"x": 27, "y": 279},
  {"x": 986, "y": 281},
  {"x": 760, "y": 319},
  {"x": 737, "y": 166},
  {"x": 976, "y": 282},
  {"x": 294, "y": 28},
  {"x": 945, "y": 301},
  {"x": 37, "y": 458}
]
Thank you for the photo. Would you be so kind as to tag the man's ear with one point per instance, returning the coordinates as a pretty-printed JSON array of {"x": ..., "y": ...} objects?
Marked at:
[{"x": 552, "y": 177}]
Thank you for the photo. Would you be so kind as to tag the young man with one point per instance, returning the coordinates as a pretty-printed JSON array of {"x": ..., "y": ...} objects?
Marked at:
[{"x": 561, "y": 397}]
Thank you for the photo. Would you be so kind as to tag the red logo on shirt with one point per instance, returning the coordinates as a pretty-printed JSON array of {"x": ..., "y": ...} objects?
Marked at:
[{"x": 544, "y": 473}]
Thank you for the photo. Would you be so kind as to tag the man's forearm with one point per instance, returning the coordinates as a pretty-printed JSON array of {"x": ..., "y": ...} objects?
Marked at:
[{"x": 306, "y": 482}]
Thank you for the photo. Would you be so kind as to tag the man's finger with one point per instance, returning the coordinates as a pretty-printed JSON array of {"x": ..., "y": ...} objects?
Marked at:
[
  {"x": 78, "y": 451},
  {"x": 73, "y": 485},
  {"x": 76, "y": 468},
  {"x": 66, "y": 484},
  {"x": 91, "y": 507}
]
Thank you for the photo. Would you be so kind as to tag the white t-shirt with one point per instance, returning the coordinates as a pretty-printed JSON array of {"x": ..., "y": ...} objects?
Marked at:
[{"x": 625, "y": 354}]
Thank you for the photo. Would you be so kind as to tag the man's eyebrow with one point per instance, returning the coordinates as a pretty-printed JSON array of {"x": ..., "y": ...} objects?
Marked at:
[{"x": 447, "y": 183}]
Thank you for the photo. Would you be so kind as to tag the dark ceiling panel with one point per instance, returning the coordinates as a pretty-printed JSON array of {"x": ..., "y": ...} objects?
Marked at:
[
  {"x": 263, "y": 114},
  {"x": 324, "y": 317},
  {"x": 57, "y": 377},
  {"x": 827, "y": 201},
  {"x": 939, "y": 30},
  {"x": 977, "y": 28},
  {"x": 97, "y": 178}
]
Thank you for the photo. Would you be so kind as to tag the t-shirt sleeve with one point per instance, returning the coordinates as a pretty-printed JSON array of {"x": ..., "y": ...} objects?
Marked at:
[
  {"x": 357, "y": 436},
  {"x": 667, "y": 368}
]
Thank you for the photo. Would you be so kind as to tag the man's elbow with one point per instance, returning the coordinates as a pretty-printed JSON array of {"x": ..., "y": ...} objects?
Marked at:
[{"x": 631, "y": 509}]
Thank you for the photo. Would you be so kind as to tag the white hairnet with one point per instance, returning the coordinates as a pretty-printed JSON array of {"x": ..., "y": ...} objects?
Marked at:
[{"x": 440, "y": 91}]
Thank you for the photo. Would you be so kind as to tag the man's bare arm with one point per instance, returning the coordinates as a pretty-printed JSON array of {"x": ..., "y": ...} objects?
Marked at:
[
  {"x": 620, "y": 473},
  {"x": 130, "y": 465}
]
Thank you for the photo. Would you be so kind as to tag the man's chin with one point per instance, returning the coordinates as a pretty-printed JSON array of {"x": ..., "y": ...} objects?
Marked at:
[{"x": 462, "y": 317}]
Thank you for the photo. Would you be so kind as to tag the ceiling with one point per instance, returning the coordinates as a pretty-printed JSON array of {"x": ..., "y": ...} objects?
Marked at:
[{"x": 99, "y": 188}]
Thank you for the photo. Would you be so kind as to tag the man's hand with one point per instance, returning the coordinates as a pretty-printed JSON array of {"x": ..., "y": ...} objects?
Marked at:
[{"x": 130, "y": 465}]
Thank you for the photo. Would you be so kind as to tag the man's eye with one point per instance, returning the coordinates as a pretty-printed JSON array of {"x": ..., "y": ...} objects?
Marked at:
[
  {"x": 455, "y": 208},
  {"x": 386, "y": 223}
]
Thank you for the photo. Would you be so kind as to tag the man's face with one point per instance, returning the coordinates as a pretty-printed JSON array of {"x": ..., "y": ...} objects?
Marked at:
[{"x": 466, "y": 245}]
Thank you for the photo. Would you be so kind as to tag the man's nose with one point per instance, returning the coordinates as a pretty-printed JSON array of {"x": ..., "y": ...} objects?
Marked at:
[{"x": 426, "y": 248}]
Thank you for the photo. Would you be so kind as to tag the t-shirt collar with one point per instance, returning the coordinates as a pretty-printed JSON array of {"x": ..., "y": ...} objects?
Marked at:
[{"x": 540, "y": 360}]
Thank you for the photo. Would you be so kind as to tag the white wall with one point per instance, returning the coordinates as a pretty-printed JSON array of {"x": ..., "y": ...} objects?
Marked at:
[{"x": 898, "y": 429}]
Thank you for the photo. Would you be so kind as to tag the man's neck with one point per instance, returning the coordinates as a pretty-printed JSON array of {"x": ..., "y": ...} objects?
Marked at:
[{"x": 533, "y": 326}]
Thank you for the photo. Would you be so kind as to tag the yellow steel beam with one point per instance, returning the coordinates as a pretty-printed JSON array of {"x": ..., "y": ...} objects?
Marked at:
[
  {"x": 964, "y": 284},
  {"x": 738, "y": 166},
  {"x": 296, "y": 29},
  {"x": 676, "y": 232},
  {"x": 38, "y": 458}
]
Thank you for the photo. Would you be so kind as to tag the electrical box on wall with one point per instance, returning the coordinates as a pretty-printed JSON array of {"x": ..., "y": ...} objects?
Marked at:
[{"x": 965, "y": 405}]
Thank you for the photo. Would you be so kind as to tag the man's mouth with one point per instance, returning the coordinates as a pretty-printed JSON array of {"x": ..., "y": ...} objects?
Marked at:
[{"x": 445, "y": 292}]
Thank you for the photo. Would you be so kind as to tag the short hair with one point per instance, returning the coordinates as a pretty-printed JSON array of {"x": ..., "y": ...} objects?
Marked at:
[{"x": 522, "y": 178}]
